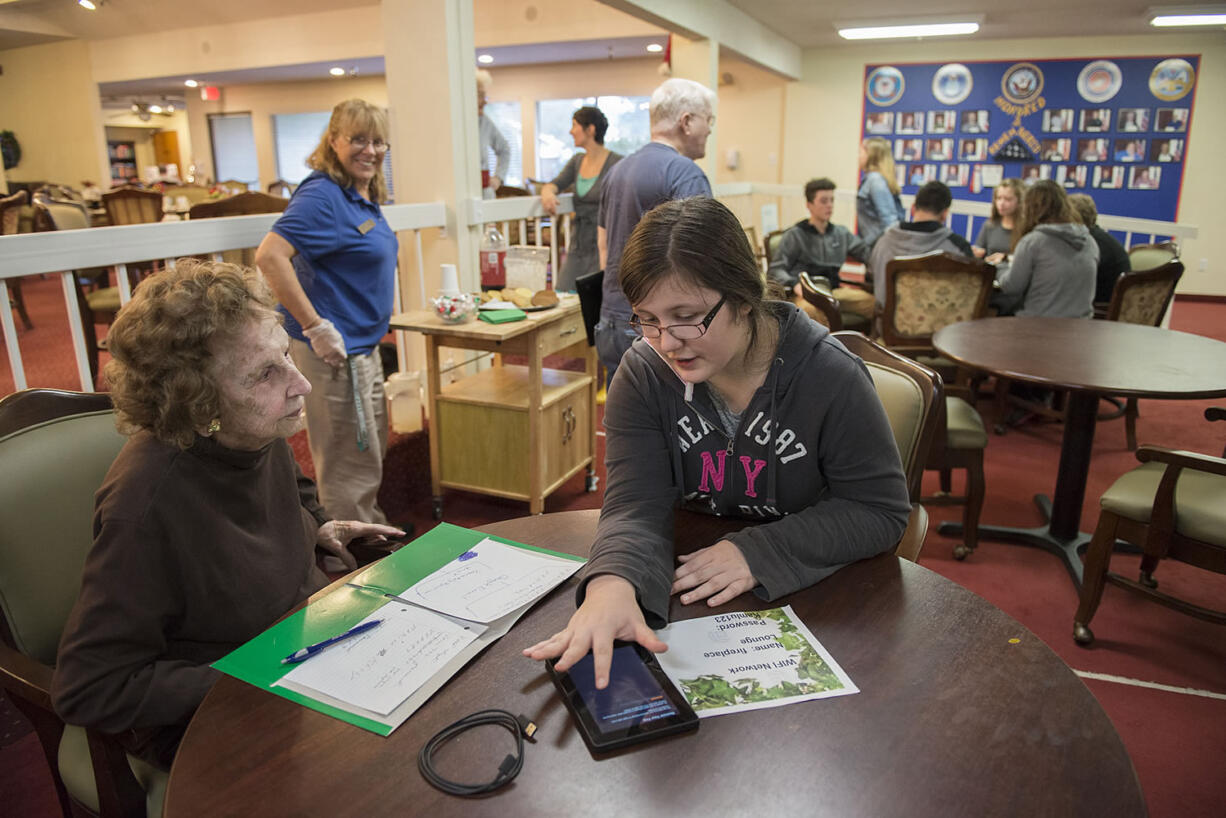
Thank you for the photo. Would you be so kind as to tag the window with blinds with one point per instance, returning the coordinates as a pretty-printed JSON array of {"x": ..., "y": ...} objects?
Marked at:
[{"x": 233, "y": 144}]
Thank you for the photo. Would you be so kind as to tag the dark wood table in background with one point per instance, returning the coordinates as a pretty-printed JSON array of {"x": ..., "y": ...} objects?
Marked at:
[
  {"x": 1087, "y": 359},
  {"x": 962, "y": 712}
]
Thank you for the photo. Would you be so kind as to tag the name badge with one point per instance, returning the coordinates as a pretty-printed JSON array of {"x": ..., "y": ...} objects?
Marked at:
[{"x": 366, "y": 226}]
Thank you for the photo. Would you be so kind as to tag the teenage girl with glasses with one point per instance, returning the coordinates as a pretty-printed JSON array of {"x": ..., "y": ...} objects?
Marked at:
[{"x": 733, "y": 405}]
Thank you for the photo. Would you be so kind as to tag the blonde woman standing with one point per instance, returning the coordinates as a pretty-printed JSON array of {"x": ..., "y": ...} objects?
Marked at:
[
  {"x": 331, "y": 260},
  {"x": 877, "y": 202}
]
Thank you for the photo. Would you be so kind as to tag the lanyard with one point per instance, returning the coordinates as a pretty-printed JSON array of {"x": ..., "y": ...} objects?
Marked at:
[{"x": 363, "y": 439}]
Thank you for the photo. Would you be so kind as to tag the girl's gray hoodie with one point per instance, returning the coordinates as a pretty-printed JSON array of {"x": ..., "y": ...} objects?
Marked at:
[
  {"x": 813, "y": 461},
  {"x": 1054, "y": 269}
]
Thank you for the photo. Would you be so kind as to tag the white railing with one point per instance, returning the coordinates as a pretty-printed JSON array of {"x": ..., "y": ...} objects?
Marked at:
[
  {"x": 62, "y": 252},
  {"x": 968, "y": 215}
]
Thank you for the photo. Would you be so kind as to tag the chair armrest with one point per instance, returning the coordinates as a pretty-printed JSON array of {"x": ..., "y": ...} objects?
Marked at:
[
  {"x": 25, "y": 677},
  {"x": 1187, "y": 460}
]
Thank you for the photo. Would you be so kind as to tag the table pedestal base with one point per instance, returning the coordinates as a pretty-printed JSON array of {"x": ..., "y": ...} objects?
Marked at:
[{"x": 1069, "y": 551}]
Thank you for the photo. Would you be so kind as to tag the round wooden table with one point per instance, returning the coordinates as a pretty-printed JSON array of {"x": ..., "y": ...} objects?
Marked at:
[
  {"x": 962, "y": 712},
  {"x": 1087, "y": 359}
]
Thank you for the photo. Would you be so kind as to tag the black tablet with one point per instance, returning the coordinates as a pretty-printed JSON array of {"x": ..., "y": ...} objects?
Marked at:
[{"x": 639, "y": 704}]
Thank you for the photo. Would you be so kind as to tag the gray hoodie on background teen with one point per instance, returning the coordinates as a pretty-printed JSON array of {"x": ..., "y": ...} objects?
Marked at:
[
  {"x": 912, "y": 239},
  {"x": 1054, "y": 270},
  {"x": 813, "y": 459}
]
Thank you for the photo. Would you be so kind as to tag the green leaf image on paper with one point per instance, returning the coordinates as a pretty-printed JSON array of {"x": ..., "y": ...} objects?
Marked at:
[{"x": 813, "y": 674}]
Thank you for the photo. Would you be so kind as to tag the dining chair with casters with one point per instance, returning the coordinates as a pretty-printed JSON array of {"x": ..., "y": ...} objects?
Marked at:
[
  {"x": 1140, "y": 297},
  {"x": 57, "y": 446},
  {"x": 923, "y": 294},
  {"x": 913, "y": 401},
  {"x": 97, "y": 306},
  {"x": 10, "y": 225},
  {"x": 1170, "y": 506}
]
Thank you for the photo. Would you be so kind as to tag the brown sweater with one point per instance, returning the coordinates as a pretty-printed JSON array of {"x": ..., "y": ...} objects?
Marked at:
[{"x": 195, "y": 552}]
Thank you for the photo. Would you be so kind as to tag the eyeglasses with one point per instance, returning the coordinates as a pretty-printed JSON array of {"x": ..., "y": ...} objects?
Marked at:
[
  {"x": 682, "y": 332},
  {"x": 360, "y": 143}
]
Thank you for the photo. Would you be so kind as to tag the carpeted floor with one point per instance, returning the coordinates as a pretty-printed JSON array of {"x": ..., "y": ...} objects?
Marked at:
[{"x": 1175, "y": 737}]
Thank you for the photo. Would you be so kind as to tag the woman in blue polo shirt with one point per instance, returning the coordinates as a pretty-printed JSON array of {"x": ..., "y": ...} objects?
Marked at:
[{"x": 331, "y": 260}]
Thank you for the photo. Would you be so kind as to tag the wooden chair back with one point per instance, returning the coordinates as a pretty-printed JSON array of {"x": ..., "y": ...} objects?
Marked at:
[
  {"x": 233, "y": 186},
  {"x": 242, "y": 204},
  {"x": 132, "y": 206},
  {"x": 195, "y": 194},
  {"x": 1149, "y": 256},
  {"x": 912, "y": 395},
  {"x": 10, "y": 212},
  {"x": 816, "y": 290},
  {"x": 925, "y": 293},
  {"x": 1143, "y": 297},
  {"x": 281, "y": 188},
  {"x": 771, "y": 244}
]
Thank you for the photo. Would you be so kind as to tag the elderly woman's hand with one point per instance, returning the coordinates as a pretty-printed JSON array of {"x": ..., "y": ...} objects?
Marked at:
[{"x": 335, "y": 535}]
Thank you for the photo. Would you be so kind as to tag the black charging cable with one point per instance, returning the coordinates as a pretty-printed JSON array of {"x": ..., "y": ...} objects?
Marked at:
[{"x": 520, "y": 726}]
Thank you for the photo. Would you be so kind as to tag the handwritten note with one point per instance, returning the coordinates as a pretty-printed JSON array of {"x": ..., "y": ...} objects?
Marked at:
[
  {"x": 381, "y": 668},
  {"x": 489, "y": 581}
]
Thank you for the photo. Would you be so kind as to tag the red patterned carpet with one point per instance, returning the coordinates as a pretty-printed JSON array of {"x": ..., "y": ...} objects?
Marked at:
[{"x": 1176, "y": 739}]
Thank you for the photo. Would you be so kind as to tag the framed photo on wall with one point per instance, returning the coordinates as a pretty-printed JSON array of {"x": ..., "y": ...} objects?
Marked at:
[
  {"x": 1166, "y": 150},
  {"x": 1133, "y": 120},
  {"x": 975, "y": 121},
  {"x": 1095, "y": 120},
  {"x": 1146, "y": 177},
  {"x": 1057, "y": 120}
]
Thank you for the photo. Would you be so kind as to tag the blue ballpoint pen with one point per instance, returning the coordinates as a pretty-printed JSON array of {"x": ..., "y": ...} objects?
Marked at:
[{"x": 311, "y": 650}]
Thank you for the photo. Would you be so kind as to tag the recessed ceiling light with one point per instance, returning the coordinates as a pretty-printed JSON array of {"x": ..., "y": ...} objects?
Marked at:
[
  {"x": 170, "y": 109},
  {"x": 336, "y": 71},
  {"x": 87, "y": 4},
  {"x": 868, "y": 32},
  {"x": 1203, "y": 16},
  {"x": 190, "y": 83},
  {"x": 155, "y": 109},
  {"x": 485, "y": 59},
  {"x": 655, "y": 48}
]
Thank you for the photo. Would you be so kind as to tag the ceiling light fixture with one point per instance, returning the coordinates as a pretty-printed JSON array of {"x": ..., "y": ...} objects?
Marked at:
[
  {"x": 1165, "y": 17},
  {"x": 190, "y": 83},
  {"x": 336, "y": 71},
  {"x": 155, "y": 109},
  {"x": 485, "y": 59},
  {"x": 655, "y": 48},
  {"x": 87, "y": 4},
  {"x": 867, "y": 31}
]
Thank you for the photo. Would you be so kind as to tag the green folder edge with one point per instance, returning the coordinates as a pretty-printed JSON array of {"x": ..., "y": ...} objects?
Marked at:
[{"x": 258, "y": 662}]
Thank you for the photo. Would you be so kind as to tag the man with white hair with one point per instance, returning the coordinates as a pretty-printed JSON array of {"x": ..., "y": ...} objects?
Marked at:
[
  {"x": 682, "y": 115},
  {"x": 491, "y": 139}
]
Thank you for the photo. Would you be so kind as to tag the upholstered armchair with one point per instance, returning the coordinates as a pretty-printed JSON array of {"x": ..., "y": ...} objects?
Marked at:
[
  {"x": 911, "y": 395},
  {"x": 922, "y": 295},
  {"x": 1171, "y": 506},
  {"x": 56, "y": 448},
  {"x": 1141, "y": 297}
]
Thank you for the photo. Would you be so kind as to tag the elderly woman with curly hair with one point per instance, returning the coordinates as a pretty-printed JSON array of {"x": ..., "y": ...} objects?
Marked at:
[{"x": 205, "y": 531}]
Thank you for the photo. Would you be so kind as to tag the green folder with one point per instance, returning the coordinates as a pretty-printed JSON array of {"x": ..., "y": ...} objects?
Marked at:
[
  {"x": 258, "y": 662},
  {"x": 503, "y": 316}
]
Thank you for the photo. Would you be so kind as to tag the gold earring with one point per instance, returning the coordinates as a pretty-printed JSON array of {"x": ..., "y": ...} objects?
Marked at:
[{"x": 214, "y": 426}]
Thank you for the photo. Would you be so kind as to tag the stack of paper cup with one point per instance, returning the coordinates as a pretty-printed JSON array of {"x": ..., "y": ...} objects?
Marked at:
[{"x": 451, "y": 281}]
